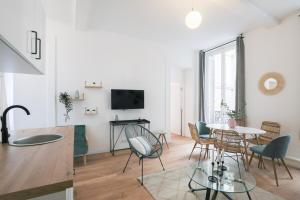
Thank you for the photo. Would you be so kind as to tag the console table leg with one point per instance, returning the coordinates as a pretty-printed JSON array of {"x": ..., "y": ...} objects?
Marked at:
[
  {"x": 207, "y": 196},
  {"x": 214, "y": 197},
  {"x": 110, "y": 138},
  {"x": 113, "y": 135},
  {"x": 249, "y": 195}
]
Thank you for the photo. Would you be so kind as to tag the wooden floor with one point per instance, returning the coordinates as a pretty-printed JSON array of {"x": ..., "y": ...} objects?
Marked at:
[{"x": 102, "y": 177}]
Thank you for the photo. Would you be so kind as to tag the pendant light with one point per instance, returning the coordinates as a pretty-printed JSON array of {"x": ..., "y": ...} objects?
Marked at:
[{"x": 193, "y": 19}]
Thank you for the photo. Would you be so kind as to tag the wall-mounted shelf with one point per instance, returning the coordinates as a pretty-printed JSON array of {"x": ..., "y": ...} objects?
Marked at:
[
  {"x": 91, "y": 110},
  {"x": 93, "y": 84}
]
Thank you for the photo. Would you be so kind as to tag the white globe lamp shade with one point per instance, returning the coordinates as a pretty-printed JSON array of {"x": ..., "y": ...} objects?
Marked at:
[{"x": 193, "y": 19}]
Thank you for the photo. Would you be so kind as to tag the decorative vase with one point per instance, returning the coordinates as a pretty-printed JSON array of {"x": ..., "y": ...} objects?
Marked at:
[
  {"x": 76, "y": 94},
  {"x": 231, "y": 123}
]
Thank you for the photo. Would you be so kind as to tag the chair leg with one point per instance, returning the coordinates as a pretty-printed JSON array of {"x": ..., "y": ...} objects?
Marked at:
[
  {"x": 162, "y": 140},
  {"x": 237, "y": 160},
  {"x": 127, "y": 162},
  {"x": 142, "y": 171},
  {"x": 251, "y": 158},
  {"x": 161, "y": 163},
  {"x": 286, "y": 167},
  {"x": 274, "y": 168},
  {"x": 263, "y": 163},
  {"x": 278, "y": 162},
  {"x": 166, "y": 141},
  {"x": 207, "y": 150},
  {"x": 200, "y": 152},
  {"x": 192, "y": 150},
  {"x": 260, "y": 162},
  {"x": 84, "y": 159}
]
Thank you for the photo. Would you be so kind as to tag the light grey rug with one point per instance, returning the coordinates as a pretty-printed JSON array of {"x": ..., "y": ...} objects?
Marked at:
[{"x": 173, "y": 184}]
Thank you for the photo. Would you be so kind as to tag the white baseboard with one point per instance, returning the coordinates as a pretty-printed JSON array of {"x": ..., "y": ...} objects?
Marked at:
[{"x": 293, "y": 162}]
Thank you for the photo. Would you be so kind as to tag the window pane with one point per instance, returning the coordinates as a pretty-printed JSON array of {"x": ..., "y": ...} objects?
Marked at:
[
  {"x": 230, "y": 76},
  {"x": 220, "y": 82}
]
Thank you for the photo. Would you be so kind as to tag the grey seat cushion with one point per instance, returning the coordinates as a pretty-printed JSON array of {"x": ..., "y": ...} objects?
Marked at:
[{"x": 258, "y": 149}]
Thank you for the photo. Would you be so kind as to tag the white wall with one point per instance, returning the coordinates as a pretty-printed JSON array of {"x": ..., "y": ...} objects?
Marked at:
[
  {"x": 275, "y": 49},
  {"x": 120, "y": 63},
  {"x": 116, "y": 60},
  {"x": 189, "y": 99},
  {"x": 29, "y": 91}
]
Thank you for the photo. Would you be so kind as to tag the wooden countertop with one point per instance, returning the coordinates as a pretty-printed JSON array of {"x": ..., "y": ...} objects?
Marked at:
[{"x": 27, "y": 172}]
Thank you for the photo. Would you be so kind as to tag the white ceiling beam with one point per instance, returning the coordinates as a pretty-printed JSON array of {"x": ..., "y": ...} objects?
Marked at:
[
  {"x": 82, "y": 14},
  {"x": 272, "y": 20}
]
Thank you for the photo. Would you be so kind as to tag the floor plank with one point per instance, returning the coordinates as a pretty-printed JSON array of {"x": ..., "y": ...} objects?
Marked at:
[{"x": 102, "y": 177}]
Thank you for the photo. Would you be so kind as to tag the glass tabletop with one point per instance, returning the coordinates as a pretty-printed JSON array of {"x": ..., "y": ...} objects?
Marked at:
[{"x": 232, "y": 180}]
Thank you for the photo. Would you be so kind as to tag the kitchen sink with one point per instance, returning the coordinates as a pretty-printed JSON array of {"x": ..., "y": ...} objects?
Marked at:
[{"x": 37, "y": 140}]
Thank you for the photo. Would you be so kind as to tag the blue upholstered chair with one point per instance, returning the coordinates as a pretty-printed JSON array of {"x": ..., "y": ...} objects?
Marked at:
[
  {"x": 80, "y": 142},
  {"x": 144, "y": 144},
  {"x": 276, "y": 149},
  {"x": 203, "y": 131}
]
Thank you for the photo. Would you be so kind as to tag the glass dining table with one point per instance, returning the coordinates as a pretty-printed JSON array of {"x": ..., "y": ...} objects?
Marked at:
[{"x": 229, "y": 182}]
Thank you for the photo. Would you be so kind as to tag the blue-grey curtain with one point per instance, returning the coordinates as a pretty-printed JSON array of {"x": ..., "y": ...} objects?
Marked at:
[
  {"x": 240, "y": 98},
  {"x": 201, "y": 85}
]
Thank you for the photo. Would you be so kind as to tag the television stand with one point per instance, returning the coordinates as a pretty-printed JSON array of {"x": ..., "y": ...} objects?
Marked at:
[{"x": 122, "y": 124}]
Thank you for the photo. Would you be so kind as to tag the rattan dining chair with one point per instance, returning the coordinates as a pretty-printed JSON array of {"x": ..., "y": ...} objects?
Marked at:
[
  {"x": 199, "y": 141},
  {"x": 232, "y": 144},
  {"x": 272, "y": 131},
  {"x": 144, "y": 144}
]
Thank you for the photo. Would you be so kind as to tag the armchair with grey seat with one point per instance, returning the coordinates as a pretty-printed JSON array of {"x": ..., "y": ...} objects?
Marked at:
[
  {"x": 144, "y": 144},
  {"x": 276, "y": 149}
]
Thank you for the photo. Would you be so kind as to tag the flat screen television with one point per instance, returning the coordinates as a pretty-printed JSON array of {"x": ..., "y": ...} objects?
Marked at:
[{"x": 127, "y": 99}]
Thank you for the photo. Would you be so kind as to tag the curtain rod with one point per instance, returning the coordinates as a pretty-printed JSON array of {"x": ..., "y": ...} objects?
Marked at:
[{"x": 241, "y": 35}]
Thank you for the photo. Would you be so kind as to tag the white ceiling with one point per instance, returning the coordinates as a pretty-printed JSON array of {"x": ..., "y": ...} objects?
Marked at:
[{"x": 163, "y": 20}]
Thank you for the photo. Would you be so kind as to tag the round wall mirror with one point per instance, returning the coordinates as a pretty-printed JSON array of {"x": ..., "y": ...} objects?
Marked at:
[{"x": 271, "y": 83}]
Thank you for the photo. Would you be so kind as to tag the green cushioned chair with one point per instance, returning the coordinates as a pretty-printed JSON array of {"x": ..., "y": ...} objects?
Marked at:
[
  {"x": 203, "y": 131},
  {"x": 276, "y": 149},
  {"x": 80, "y": 142}
]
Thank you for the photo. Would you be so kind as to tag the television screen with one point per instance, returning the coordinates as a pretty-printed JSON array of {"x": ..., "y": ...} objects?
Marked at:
[{"x": 127, "y": 99}]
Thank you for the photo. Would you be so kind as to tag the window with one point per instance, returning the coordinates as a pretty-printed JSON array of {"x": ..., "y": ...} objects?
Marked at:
[{"x": 220, "y": 82}]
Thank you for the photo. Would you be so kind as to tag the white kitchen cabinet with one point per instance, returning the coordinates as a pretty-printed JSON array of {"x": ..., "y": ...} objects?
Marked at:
[{"x": 19, "y": 21}]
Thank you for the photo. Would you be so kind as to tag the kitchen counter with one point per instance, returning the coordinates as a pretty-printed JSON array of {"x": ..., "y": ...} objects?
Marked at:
[{"x": 32, "y": 171}]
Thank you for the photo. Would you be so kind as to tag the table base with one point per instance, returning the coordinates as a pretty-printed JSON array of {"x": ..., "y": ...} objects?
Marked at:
[{"x": 215, "y": 194}]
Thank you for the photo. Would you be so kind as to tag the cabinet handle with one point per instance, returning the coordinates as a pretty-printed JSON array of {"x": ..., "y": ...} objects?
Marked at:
[
  {"x": 35, "y": 43},
  {"x": 39, "y": 47}
]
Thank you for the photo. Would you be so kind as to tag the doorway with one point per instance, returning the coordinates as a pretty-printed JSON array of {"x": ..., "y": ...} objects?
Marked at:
[{"x": 176, "y": 110}]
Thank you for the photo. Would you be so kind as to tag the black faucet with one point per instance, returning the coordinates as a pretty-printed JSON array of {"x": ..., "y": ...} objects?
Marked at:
[{"x": 4, "y": 130}]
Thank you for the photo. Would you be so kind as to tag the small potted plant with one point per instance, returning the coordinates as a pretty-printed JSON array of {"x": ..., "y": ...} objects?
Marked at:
[
  {"x": 232, "y": 114},
  {"x": 66, "y": 99}
]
